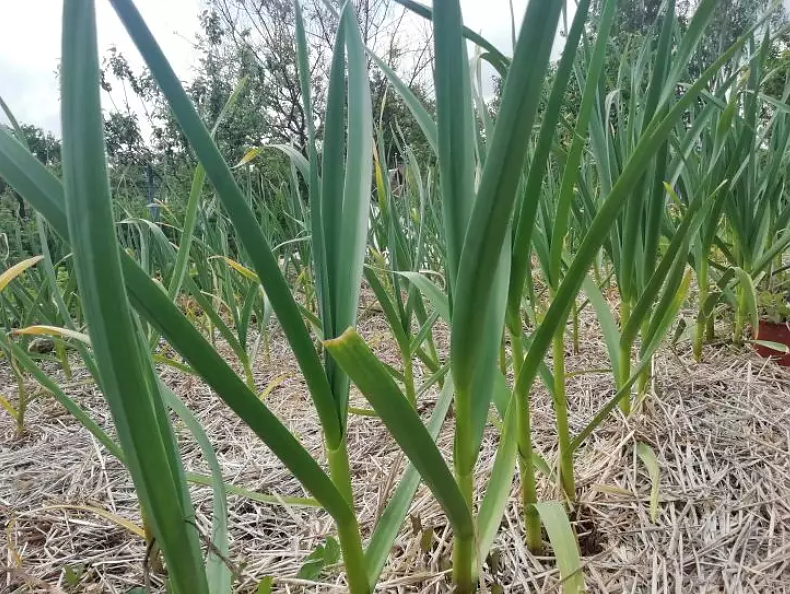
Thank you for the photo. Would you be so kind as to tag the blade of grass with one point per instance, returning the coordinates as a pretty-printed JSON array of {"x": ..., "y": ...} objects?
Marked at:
[
  {"x": 563, "y": 541},
  {"x": 648, "y": 458},
  {"x": 17, "y": 269},
  {"x": 427, "y": 13},
  {"x": 218, "y": 573},
  {"x": 32, "y": 180},
  {"x": 244, "y": 220},
  {"x": 127, "y": 379},
  {"x": 500, "y": 178},
  {"x": 388, "y": 526},
  {"x": 403, "y": 423}
]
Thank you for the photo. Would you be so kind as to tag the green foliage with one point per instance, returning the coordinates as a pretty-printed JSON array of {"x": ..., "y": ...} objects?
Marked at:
[
  {"x": 773, "y": 306},
  {"x": 642, "y": 153},
  {"x": 323, "y": 555}
]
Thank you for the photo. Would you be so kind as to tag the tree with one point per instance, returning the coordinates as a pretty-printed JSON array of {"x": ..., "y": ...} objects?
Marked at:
[
  {"x": 221, "y": 68},
  {"x": 123, "y": 139},
  {"x": 730, "y": 20},
  {"x": 264, "y": 34},
  {"x": 46, "y": 149},
  {"x": 42, "y": 144}
]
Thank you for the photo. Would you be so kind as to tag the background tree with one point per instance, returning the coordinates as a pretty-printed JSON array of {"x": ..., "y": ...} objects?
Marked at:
[
  {"x": 731, "y": 19},
  {"x": 263, "y": 33}
]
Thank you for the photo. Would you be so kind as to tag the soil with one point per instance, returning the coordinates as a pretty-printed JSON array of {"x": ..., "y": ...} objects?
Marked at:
[{"x": 719, "y": 430}]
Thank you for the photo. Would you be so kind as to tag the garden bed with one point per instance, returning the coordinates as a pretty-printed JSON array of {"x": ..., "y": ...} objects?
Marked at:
[{"x": 719, "y": 430}]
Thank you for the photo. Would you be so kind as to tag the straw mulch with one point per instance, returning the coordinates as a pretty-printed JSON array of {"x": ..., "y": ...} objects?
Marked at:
[{"x": 720, "y": 431}]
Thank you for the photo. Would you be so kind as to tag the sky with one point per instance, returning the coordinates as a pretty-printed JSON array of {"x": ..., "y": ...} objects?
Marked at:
[
  {"x": 30, "y": 49},
  {"x": 30, "y": 45}
]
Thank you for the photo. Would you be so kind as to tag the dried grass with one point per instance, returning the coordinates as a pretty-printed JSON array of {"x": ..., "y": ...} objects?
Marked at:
[{"x": 719, "y": 429}]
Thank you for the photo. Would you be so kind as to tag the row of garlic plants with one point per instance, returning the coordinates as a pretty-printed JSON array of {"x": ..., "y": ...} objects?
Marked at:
[{"x": 656, "y": 174}]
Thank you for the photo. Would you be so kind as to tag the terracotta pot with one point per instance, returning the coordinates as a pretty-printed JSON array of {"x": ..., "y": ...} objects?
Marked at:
[{"x": 775, "y": 333}]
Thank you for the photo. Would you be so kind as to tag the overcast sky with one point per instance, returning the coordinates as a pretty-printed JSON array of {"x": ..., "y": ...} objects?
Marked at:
[{"x": 30, "y": 44}]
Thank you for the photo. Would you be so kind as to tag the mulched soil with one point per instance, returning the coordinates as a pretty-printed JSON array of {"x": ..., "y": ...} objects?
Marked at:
[{"x": 720, "y": 431}]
